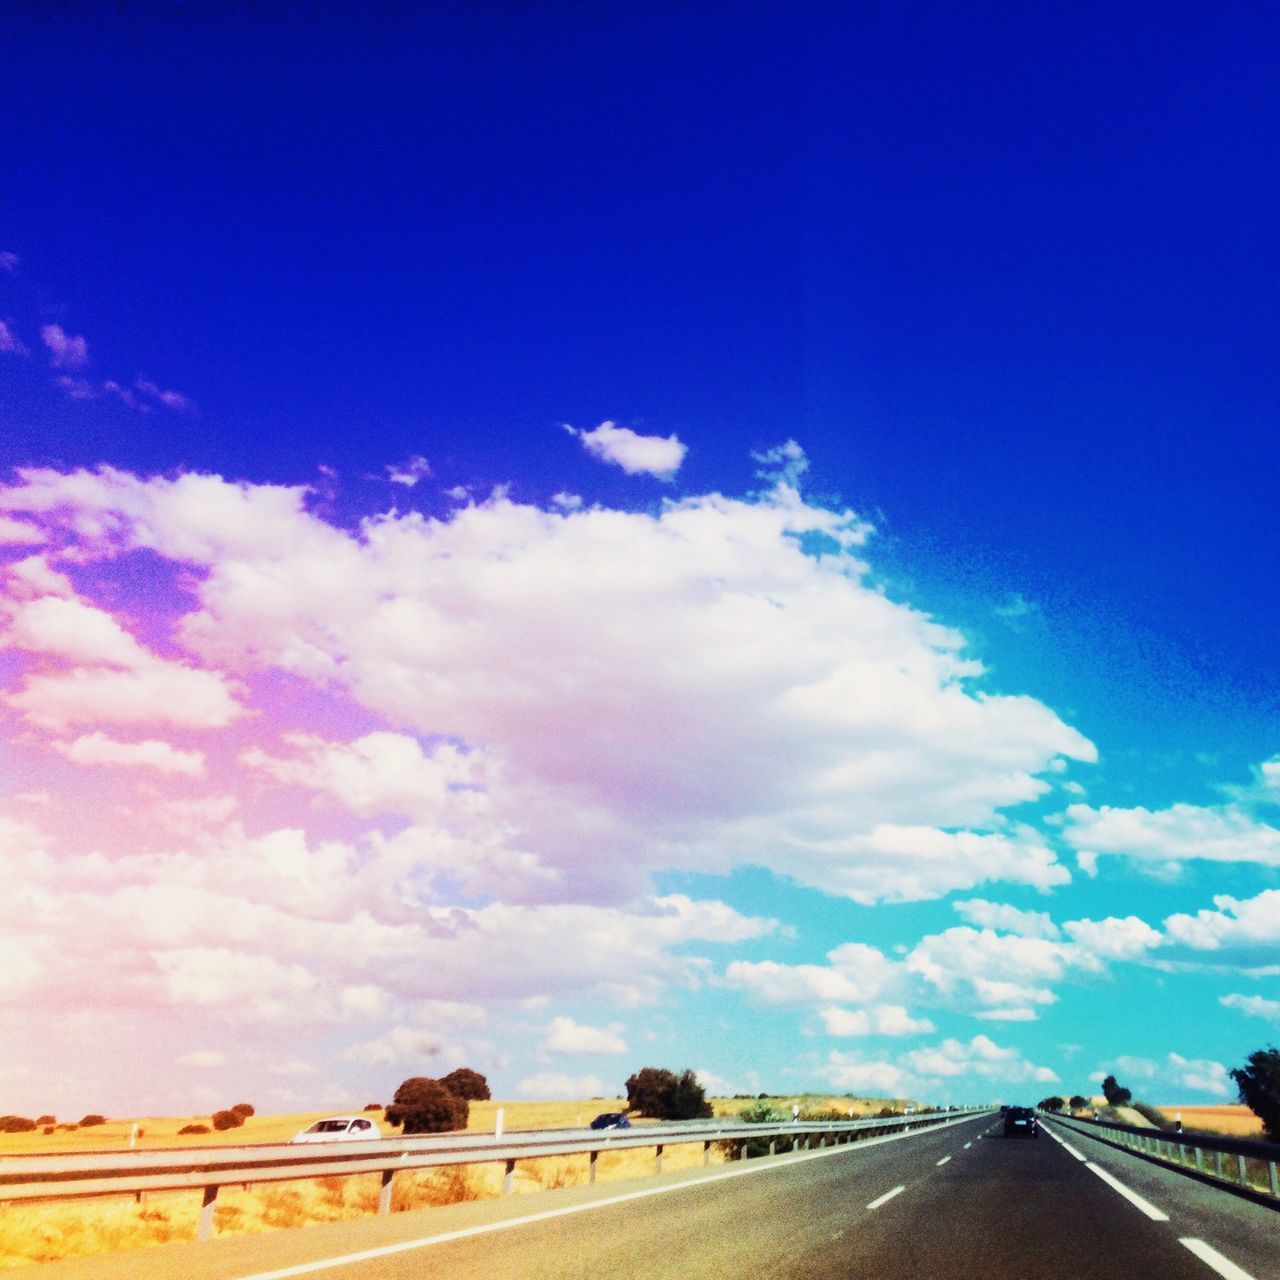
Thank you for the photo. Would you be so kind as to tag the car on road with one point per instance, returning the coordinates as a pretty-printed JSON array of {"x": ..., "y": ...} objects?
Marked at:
[
  {"x": 1021, "y": 1122},
  {"x": 338, "y": 1129},
  {"x": 611, "y": 1120}
]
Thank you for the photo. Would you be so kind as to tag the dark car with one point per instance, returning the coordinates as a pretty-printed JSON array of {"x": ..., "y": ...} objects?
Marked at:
[
  {"x": 611, "y": 1120},
  {"x": 1021, "y": 1122}
]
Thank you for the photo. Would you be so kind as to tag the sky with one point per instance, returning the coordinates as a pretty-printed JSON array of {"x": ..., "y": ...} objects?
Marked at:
[{"x": 559, "y": 540}]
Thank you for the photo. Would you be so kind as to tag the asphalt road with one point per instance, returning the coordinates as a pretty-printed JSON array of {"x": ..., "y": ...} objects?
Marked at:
[{"x": 959, "y": 1202}]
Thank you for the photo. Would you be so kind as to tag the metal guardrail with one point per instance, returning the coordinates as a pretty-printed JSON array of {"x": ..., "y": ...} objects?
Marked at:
[
  {"x": 1238, "y": 1163},
  {"x": 28, "y": 1178}
]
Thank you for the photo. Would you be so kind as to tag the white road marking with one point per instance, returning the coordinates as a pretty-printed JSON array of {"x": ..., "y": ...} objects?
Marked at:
[
  {"x": 943, "y": 1161},
  {"x": 1070, "y": 1150},
  {"x": 1207, "y": 1253},
  {"x": 967, "y": 1145},
  {"x": 1156, "y": 1215},
  {"x": 884, "y": 1199},
  {"x": 422, "y": 1242}
]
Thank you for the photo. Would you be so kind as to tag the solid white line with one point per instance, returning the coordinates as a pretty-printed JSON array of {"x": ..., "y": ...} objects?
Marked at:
[
  {"x": 1071, "y": 1151},
  {"x": 943, "y": 1161},
  {"x": 884, "y": 1199},
  {"x": 1223, "y": 1266},
  {"x": 1156, "y": 1215},
  {"x": 422, "y": 1242}
]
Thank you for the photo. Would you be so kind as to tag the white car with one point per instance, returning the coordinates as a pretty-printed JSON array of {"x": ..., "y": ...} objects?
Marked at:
[{"x": 338, "y": 1129}]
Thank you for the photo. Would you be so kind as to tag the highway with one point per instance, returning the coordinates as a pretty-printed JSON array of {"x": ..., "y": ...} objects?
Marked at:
[{"x": 960, "y": 1202}]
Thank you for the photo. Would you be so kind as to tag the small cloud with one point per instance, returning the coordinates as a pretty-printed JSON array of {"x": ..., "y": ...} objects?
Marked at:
[
  {"x": 170, "y": 399},
  {"x": 78, "y": 388},
  {"x": 566, "y": 1036},
  {"x": 784, "y": 464},
  {"x": 555, "y": 1084},
  {"x": 1254, "y": 1006},
  {"x": 66, "y": 351},
  {"x": 97, "y": 748},
  {"x": 1015, "y": 609},
  {"x": 113, "y": 388},
  {"x": 17, "y": 533},
  {"x": 658, "y": 456},
  {"x": 293, "y": 1068},
  {"x": 202, "y": 1058},
  {"x": 9, "y": 262},
  {"x": 566, "y": 501},
  {"x": 459, "y": 493},
  {"x": 9, "y": 344},
  {"x": 410, "y": 472}
]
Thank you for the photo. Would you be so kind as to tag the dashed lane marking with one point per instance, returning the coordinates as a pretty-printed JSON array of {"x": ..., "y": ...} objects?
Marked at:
[
  {"x": 1156, "y": 1215},
  {"x": 888, "y": 1195},
  {"x": 967, "y": 1145},
  {"x": 943, "y": 1161},
  {"x": 1209, "y": 1255}
]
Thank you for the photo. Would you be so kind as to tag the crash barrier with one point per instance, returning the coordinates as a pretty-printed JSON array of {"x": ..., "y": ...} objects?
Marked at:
[
  {"x": 28, "y": 1178},
  {"x": 1239, "y": 1164}
]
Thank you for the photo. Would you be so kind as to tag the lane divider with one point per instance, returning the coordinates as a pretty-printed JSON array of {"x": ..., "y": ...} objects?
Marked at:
[
  {"x": 943, "y": 1161},
  {"x": 445, "y": 1237},
  {"x": 888, "y": 1195},
  {"x": 1208, "y": 1254},
  {"x": 1156, "y": 1215}
]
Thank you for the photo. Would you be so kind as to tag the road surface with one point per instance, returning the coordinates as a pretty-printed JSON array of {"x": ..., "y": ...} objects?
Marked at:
[{"x": 959, "y": 1203}]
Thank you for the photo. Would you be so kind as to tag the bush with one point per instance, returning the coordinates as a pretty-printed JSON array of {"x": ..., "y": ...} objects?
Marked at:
[
  {"x": 1116, "y": 1095},
  {"x": 654, "y": 1091},
  {"x": 424, "y": 1105},
  {"x": 1259, "y": 1084},
  {"x": 86, "y": 1121},
  {"x": 1078, "y": 1103},
  {"x": 373, "y": 1106},
  {"x": 193, "y": 1128},
  {"x": 467, "y": 1084},
  {"x": 227, "y": 1120},
  {"x": 1051, "y": 1104},
  {"x": 16, "y": 1124},
  {"x": 47, "y": 1120},
  {"x": 49, "y": 1128},
  {"x": 751, "y": 1148},
  {"x": 243, "y": 1109}
]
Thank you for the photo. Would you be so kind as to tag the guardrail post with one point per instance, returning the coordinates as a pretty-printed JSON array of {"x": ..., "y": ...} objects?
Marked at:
[
  {"x": 1244, "y": 1174},
  {"x": 591, "y": 1168},
  {"x": 1217, "y": 1163},
  {"x": 1271, "y": 1175},
  {"x": 204, "y": 1228},
  {"x": 657, "y": 1160},
  {"x": 384, "y": 1192},
  {"x": 509, "y": 1178},
  {"x": 1199, "y": 1159},
  {"x": 773, "y": 1148},
  {"x": 706, "y": 1152}
]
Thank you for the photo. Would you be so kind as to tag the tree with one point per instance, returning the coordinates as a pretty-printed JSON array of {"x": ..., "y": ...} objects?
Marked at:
[
  {"x": 1259, "y": 1084},
  {"x": 1078, "y": 1103},
  {"x": 1052, "y": 1104},
  {"x": 424, "y": 1105},
  {"x": 657, "y": 1092},
  {"x": 467, "y": 1084},
  {"x": 227, "y": 1120},
  {"x": 1116, "y": 1094},
  {"x": 243, "y": 1109},
  {"x": 688, "y": 1099}
]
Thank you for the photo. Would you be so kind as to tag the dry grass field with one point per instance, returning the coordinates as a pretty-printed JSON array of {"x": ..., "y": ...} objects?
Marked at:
[
  {"x": 1235, "y": 1121},
  {"x": 35, "y": 1233}
]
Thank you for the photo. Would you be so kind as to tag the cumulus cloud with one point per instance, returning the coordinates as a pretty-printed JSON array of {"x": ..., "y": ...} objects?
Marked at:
[
  {"x": 409, "y": 472},
  {"x": 1233, "y": 923},
  {"x": 998, "y": 915},
  {"x": 557, "y": 1084},
  {"x": 97, "y": 748},
  {"x": 1254, "y": 1006},
  {"x": 659, "y": 456},
  {"x": 929, "y": 1071},
  {"x": 566, "y": 1036},
  {"x": 882, "y": 1020},
  {"x": 1173, "y": 1071},
  {"x": 17, "y": 533},
  {"x": 1167, "y": 837},
  {"x": 66, "y": 351}
]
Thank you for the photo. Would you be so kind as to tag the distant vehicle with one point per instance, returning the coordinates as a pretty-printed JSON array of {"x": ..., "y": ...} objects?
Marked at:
[
  {"x": 1021, "y": 1122},
  {"x": 338, "y": 1129},
  {"x": 611, "y": 1120}
]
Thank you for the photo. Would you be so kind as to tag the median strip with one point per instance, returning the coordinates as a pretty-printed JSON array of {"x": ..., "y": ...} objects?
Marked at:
[
  {"x": 888, "y": 1195},
  {"x": 1156, "y": 1215},
  {"x": 1209, "y": 1255}
]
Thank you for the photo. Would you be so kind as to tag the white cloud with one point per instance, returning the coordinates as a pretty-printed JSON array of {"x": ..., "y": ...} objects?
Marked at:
[
  {"x": 884, "y": 1020},
  {"x": 292, "y": 1069},
  {"x": 9, "y": 344},
  {"x": 998, "y": 915},
  {"x": 856, "y": 974},
  {"x": 1113, "y": 938},
  {"x": 1254, "y": 1006},
  {"x": 202, "y": 1058},
  {"x": 659, "y": 456},
  {"x": 97, "y": 748},
  {"x": 1203, "y": 1075},
  {"x": 1181, "y": 833},
  {"x": 980, "y": 1057},
  {"x": 16, "y": 533},
  {"x": 566, "y": 1036},
  {"x": 408, "y": 473},
  {"x": 66, "y": 351},
  {"x": 411, "y": 1046},
  {"x": 1234, "y": 923},
  {"x": 169, "y": 399},
  {"x": 550, "y": 1085}
]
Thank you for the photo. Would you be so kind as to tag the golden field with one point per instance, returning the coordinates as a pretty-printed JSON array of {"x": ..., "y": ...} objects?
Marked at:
[
  {"x": 35, "y": 1233},
  {"x": 1235, "y": 1121}
]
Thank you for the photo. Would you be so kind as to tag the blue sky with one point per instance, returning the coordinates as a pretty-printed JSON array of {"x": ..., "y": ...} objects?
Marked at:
[{"x": 933, "y": 755}]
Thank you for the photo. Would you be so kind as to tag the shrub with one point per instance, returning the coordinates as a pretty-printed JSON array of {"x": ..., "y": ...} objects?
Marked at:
[
  {"x": 227, "y": 1120},
  {"x": 886, "y": 1112},
  {"x": 1259, "y": 1084},
  {"x": 654, "y": 1091},
  {"x": 86, "y": 1121},
  {"x": 193, "y": 1128},
  {"x": 373, "y": 1106},
  {"x": 16, "y": 1124},
  {"x": 424, "y": 1105},
  {"x": 50, "y": 1128},
  {"x": 467, "y": 1084},
  {"x": 1051, "y": 1104},
  {"x": 243, "y": 1109},
  {"x": 750, "y": 1148},
  {"x": 47, "y": 1120},
  {"x": 1078, "y": 1103},
  {"x": 1116, "y": 1094}
]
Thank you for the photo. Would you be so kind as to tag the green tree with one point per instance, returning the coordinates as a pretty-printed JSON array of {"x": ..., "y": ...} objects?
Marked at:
[
  {"x": 1116, "y": 1094},
  {"x": 1052, "y": 1104},
  {"x": 1259, "y": 1084},
  {"x": 1078, "y": 1103},
  {"x": 467, "y": 1084},
  {"x": 424, "y": 1105},
  {"x": 657, "y": 1092}
]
